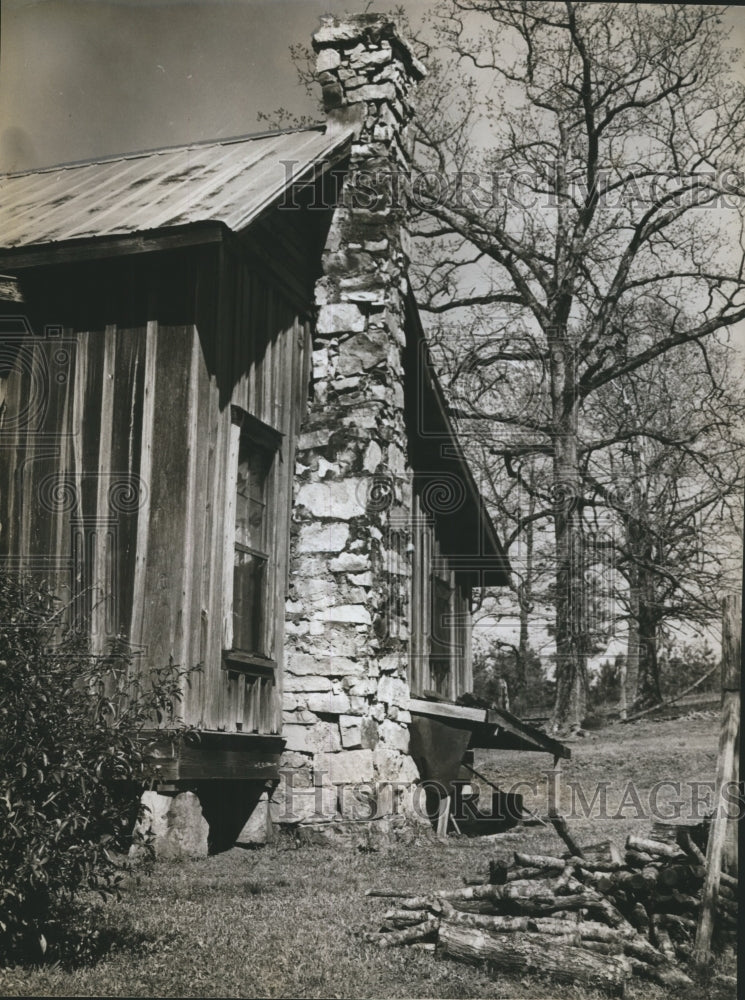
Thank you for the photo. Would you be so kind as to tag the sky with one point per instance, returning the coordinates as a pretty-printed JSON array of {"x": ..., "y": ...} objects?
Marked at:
[{"x": 83, "y": 78}]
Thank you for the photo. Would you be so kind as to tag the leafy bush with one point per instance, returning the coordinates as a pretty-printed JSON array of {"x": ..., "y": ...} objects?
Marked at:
[
  {"x": 530, "y": 691},
  {"x": 72, "y": 766},
  {"x": 605, "y": 686},
  {"x": 681, "y": 664}
]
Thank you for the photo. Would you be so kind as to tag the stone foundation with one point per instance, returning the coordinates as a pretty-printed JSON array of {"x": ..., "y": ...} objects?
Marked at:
[
  {"x": 346, "y": 651},
  {"x": 174, "y": 824}
]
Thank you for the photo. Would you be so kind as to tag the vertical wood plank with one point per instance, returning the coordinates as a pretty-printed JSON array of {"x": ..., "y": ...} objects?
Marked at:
[
  {"x": 726, "y": 773},
  {"x": 146, "y": 469},
  {"x": 190, "y": 517},
  {"x": 103, "y": 597}
]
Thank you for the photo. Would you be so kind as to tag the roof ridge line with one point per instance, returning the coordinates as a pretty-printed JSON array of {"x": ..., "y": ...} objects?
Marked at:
[{"x": 136, "y": 154}]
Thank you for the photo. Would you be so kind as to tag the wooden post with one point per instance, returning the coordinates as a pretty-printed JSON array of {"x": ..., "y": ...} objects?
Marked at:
[
  {"x": 727, "y": 771},
  {"x": 442, "y": 818}
]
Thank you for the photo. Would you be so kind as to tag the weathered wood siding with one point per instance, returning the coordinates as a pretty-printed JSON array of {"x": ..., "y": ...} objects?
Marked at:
[
  {"x": 115, "y": 488},
  {"x": 430, "y": 564}
]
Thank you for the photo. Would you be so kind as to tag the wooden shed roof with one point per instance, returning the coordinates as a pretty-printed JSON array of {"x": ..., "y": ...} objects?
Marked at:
[{"x": 228, "y": 180}]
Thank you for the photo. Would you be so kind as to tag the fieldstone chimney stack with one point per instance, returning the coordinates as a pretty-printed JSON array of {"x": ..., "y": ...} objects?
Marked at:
[{"x": 347, "y": 647}]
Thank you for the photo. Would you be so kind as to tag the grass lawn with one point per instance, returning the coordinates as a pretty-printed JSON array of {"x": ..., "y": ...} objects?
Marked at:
[{"x": 280, "y": 921}]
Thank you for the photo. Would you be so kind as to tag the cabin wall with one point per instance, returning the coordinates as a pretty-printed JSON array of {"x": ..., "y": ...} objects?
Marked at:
[{"x": 115, "y": 450}]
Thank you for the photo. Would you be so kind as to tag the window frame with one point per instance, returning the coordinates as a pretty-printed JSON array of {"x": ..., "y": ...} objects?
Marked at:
[{"x": 245, "y": 428}]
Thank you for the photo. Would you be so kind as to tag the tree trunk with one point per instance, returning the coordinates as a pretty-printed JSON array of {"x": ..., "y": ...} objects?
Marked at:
[
  {"x": 571, "y": 625},
  {"x": 648, "y": 675},
  {"x": 525, "y": 592}
]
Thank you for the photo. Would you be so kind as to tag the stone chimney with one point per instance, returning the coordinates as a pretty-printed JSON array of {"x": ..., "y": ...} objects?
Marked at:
[{"x": 346, "y": 653}]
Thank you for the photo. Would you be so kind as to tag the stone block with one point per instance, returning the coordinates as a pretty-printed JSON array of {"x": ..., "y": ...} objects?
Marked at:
[
  {"x": 358, "y": 732},
  {"x": 328, "y": 703},
  {"x": 257, "y": 828},
  {"x": 350, "y": 727},
  {"x": 391, "y": 765},
  {"x": 297, "y": 762},
  {"x": 348, "y": 767},
  {"x": 393, "y": 691},
  {"x": 350, "y": 562},
  {"x": 340, "y": 499},
  {"x": 188, "y": 830},
  {"x": 363, "y": 57},
  {"x": 390, "y": 663},
  {"x": 323, "y": 737},
  {"x": 329, "y": 537},
  {"x": 152, "y": 823},
  {"x": 328, "y": 665},
  {"x": 340, "y": 317},
  {"x": 307, "y": 682},
  {"x": 356, "y": 613},
  {"x": 373, "y": 457},
  {"x": 362, "y": 687},
  {"x": 385, "y": 91},
  {"x": 360, "y": 353},
  {"x": 328, "y": 59},
  {"x": 299, "y": 716},
  {"x": 395, "y": 735},
  {"x": 369, "y": 733}
]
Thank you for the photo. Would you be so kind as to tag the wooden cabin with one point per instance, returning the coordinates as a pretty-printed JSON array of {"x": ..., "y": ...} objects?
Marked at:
[{"x": 223, "y": 441}]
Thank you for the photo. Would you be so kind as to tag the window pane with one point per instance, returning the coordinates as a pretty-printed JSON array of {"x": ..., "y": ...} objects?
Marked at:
[
  {"x": 251, "y": 497},
  {"x": 248, "y": 598},
  {"x": 442, "y": 628}
]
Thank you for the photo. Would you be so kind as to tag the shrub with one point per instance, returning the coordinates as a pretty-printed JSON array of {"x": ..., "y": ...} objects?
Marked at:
[
  {"x": 530, "y": 691},
  {"x": 72, "y": 766}
]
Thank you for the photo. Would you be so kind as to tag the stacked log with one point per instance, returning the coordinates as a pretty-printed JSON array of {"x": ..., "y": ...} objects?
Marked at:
[{"x": 594, "y": 919}]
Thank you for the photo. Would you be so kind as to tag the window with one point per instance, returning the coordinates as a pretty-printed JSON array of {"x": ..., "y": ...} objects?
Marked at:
[
  {"x": 441, "y": 640},
  {"x": 249, "y": 631}
]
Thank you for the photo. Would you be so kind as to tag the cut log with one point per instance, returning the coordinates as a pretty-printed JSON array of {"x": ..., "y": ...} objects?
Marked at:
[
  {"x": 655, "y": 848},
  {"x": 405, "y": 936},
  {"x": 404, "y": 918},
  {"x": 535, "y": 953},
  {"x": 691, "y": 848},
  {"x": 483, "y": 920},
  {"x": 676, "y": 902},
  {"x": 541, "y": 861},
  {"x": 640, "y": 859},
  {"x": 727, "y": 906},
  {"x": 560, "y": 825},
  {"x": 726, "y": 879},
  {"x": 664, "y": 943},
  {"x": 666, "y": 975},
  {"x": 639, "y": 917},
  {"x": 669, "y": 920},
  {"x": 681, "y": 876},
  {"x": 727, "y": 892},
  {"x": 604, "y": 851}
]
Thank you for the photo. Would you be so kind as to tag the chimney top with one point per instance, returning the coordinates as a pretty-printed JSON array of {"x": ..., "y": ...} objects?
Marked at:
[{"x": 368, "y": 30}]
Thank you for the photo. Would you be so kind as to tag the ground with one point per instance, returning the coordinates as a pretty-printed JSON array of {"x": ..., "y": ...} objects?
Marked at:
[{"x": 283, "y": 920}]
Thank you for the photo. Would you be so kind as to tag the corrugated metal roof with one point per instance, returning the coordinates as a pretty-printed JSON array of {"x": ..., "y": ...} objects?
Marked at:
[{"x": 229, "y": 180}]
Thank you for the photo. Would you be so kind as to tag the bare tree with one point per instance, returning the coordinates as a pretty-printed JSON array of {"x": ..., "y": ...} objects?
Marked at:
[
  {"x": 588, "y": 195},
  {"x": 672, "y": 473}
]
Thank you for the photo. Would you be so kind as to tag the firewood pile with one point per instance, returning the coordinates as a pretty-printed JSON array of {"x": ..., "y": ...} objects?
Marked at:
[{"x": 594, "y": 918}]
